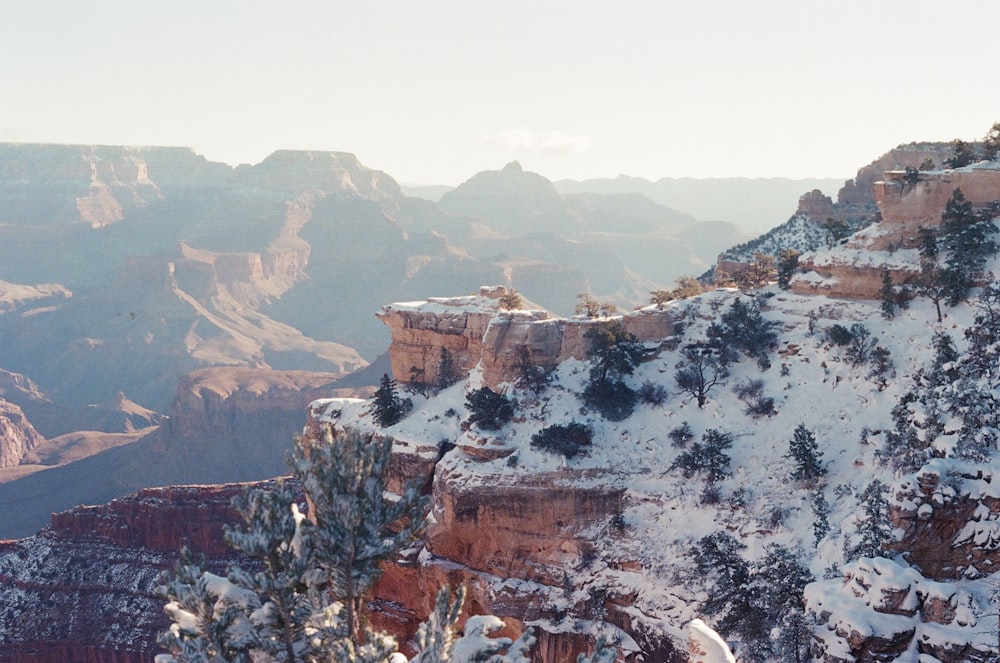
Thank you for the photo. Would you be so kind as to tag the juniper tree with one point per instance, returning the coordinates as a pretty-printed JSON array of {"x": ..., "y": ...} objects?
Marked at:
[
  {"x": 707, "y": 458},
  {"x": 887, "y": 296},
  {"x": 962, "y": 154},
  {"x": 805, "y": 454},
  {"x": 614, "y": 353},
  {"x": 788, "y": 262},
  {"x": 447, "y": 373},
  {"x": 488, "y": 409}
]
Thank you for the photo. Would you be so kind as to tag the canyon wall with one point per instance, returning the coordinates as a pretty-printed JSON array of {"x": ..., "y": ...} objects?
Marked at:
[
  {"x": 474, "y": 330},
  {"x": 907, "y": 203}
]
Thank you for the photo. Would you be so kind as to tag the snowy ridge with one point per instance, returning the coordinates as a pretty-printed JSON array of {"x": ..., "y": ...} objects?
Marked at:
[{"x": 649, "y": 552}]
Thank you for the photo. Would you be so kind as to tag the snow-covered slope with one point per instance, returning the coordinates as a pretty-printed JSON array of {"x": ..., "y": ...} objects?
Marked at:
[{"x": 658, "y": 560}]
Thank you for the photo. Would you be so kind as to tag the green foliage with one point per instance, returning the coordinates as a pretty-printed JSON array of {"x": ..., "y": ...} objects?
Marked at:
[
  {"x": 652, "y": 393},
  {"x": 447, "y": 373},
  {"x": 757, "y": 604},
  {"x": 839, "y": 335},
  {"x": 529, "y": 375},
  {"x": 488, "y": 409},
  {"x": 888, "y": 296},
  {"x": 288, "y": 606},
  {"x": 859, "y": 349},
  {"x": 962, "y": 155},
  {"x": 566, "y": 439},
  {"x": 788, "y": 262},
  {"x": 836, "y": 230},
  {"x": 821, "y": 517},
  {"x": 613, "y": 352},
  {"x": 388, "y": 408},
  {"x": 614, "y": 399},
  {"x": 707, "y": 458},
  {"x": 991, "y": 143},
  {"x": 805, "y": 455},
  {"x": 744, "y": 328},
  {"x": 297, "y": 602},
  {"x": 967, "y": 240},
  {"x": 681, "y": 435},
  {"x": 874, "y": 527},
  {"x": 355, "y": 528}
]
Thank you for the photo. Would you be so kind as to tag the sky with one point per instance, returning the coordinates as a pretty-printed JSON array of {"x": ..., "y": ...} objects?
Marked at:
[{"x": 432, "y": 92}]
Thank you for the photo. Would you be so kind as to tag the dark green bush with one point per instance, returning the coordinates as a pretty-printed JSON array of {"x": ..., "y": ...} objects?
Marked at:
[
  {"x": 614, "y": 399},
  {"x": 488, "y": 409},
  {"x": 568, "y": 440}
]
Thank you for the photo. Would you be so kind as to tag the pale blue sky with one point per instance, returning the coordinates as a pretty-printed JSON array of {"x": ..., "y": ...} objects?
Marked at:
[{"x": 432, "y": 92}]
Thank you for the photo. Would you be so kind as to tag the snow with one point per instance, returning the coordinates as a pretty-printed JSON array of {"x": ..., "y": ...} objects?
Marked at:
[
  {"x": 707, "y": 646},
  {"x": 812, "y": 384}
]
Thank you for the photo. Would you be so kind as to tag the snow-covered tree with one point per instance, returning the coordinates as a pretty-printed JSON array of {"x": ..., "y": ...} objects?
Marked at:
[
  {"x": 388, "y": 407},
  {"x": 805, "y": 454},
  {"x": 821, "y": 516},
  {"x": 967, "y": 240},
  {"x": 354, "y": 526},
  {"x": 298, "y": 601},
  {"x": 707, "y": 458},
  {"x": 874, "y": 529}
]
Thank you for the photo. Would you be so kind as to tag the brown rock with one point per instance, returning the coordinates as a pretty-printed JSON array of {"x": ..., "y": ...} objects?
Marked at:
[{"x": 17, "y": 435}]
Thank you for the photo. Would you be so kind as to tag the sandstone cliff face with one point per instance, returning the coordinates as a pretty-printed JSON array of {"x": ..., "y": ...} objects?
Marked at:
[
  {"x": 816, "y": 205},
  {"x": 475, "y": 331},
  {"x": 84, "y": 589},
  {"x": 854, "y": 269},
  {"x": 17, "y": 435}
]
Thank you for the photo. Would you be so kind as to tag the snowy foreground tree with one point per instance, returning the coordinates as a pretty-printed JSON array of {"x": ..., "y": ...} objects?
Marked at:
[{"x": 299, "y": 599}]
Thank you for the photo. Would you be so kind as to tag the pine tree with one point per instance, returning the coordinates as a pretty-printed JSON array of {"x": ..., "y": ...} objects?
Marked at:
[
  {"x": 806, "y": 455},
  {"x": 821, "y": 513},
  {"x": 968, "y": 243},
  {"x": 294, "y": 604},
  {"x": 874, "y": 526},
  {"x": 887, "y": 295},
  {"x": 387, "y": 407},
  {"x": 707, "y": 458}
]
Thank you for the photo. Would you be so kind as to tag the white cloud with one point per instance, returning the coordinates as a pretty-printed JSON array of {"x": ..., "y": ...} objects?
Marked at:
[{"x": 523, "y": 139}]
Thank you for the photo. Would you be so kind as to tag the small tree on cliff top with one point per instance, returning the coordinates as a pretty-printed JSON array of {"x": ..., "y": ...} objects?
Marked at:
[{"x": 299, "y": 603}]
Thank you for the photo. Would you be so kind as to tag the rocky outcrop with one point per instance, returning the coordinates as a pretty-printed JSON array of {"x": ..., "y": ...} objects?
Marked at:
[
  {"x": 473, "y": 331},
  {"x": 881, "y": 611},
  {"x": 950, "y": 519},
  {"x": 816, "y": 205},
  {"x": 907, "y": 202},
  {"x": 84, "y": 589},
  {"x": 17, "y": 435}
]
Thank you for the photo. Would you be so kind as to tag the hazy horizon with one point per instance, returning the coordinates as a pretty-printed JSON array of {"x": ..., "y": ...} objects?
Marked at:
[{"x": 432, "y": 93}]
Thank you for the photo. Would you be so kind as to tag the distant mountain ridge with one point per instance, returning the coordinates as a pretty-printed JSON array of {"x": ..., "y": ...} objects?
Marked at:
[{"x": 754, "y": 204}]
